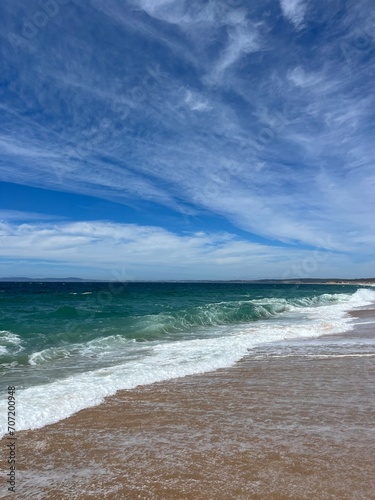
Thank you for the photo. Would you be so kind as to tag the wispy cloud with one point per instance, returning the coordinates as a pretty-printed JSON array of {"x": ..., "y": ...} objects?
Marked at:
[
  {"x": 196, "y": 102},
  {"x": 142, "y": 251},
  {"x": 242, "y": 40},
  {"x": 294, "y": 11},
  {"x": 205, "y": 105},
  {"x": 18, "y": 215}
]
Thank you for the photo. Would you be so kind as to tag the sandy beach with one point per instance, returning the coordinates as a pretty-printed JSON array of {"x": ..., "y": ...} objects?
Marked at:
[{"x": 293, "y": 420}]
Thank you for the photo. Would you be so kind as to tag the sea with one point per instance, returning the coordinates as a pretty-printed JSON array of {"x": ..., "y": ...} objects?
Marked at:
[{"x": 65, "y": 346}]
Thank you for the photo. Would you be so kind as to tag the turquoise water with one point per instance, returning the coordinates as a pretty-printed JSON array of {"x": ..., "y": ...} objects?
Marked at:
[{"x": 103, "y": 337}]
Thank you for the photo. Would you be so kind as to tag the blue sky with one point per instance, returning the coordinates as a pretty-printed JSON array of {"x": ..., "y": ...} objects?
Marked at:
[{"x": 172, "y": 139}]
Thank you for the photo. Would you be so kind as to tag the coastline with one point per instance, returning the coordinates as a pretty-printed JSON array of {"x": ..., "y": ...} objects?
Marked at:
[{"x": 283, "y": 423}]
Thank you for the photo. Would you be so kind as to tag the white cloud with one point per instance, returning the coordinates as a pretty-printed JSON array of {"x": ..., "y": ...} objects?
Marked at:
[
  {"x": 196, "y": 102},
  {"x": 172, "y": 11},
  {"x": 152, "y": 252},
  {"x": 12, "y": 215},
  {"x": 294, "y": 11},
  {"x": 242, "y": 39},
  {"x": 302, "y": 78}
]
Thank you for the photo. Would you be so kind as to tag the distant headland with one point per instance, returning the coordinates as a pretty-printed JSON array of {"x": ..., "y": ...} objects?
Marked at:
[{"x": 292, "y": 281}]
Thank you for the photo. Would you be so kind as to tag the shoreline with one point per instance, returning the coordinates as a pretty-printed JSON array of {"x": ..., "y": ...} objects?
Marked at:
[{"x": 278, "y": 424}]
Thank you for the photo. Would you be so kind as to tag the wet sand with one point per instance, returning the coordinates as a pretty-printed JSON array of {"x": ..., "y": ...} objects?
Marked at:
[{"x": 293, "y": 420}]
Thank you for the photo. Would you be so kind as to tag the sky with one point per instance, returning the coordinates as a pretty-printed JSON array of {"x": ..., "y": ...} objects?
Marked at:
[{"x": 187, "y": 139}]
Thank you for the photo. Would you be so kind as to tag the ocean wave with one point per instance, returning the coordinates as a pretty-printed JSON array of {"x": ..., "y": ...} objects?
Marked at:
[
  {"x": 235, "y": 312},
  {"x": 9, "y": 342},
  {"x": 47, "y": 403},
  {"x": 51, "y": 354},
  {"x": 114, "y": 345}
]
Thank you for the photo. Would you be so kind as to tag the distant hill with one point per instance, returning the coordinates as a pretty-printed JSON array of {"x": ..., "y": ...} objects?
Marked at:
[
  {"x": 23, "y": 278},
  {"x": 313, "y": 281},
  {"x": 302, "y": 281}
]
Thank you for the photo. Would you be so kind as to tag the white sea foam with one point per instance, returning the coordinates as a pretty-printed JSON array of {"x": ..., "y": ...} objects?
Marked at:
[
  {"x": 324, "y": 356},
  {"x": 103, "y": 347},
  {"x": 51, "y": 354},
  {"x": 9, "y": 342},
  {"x": 45, "y": 404}
]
